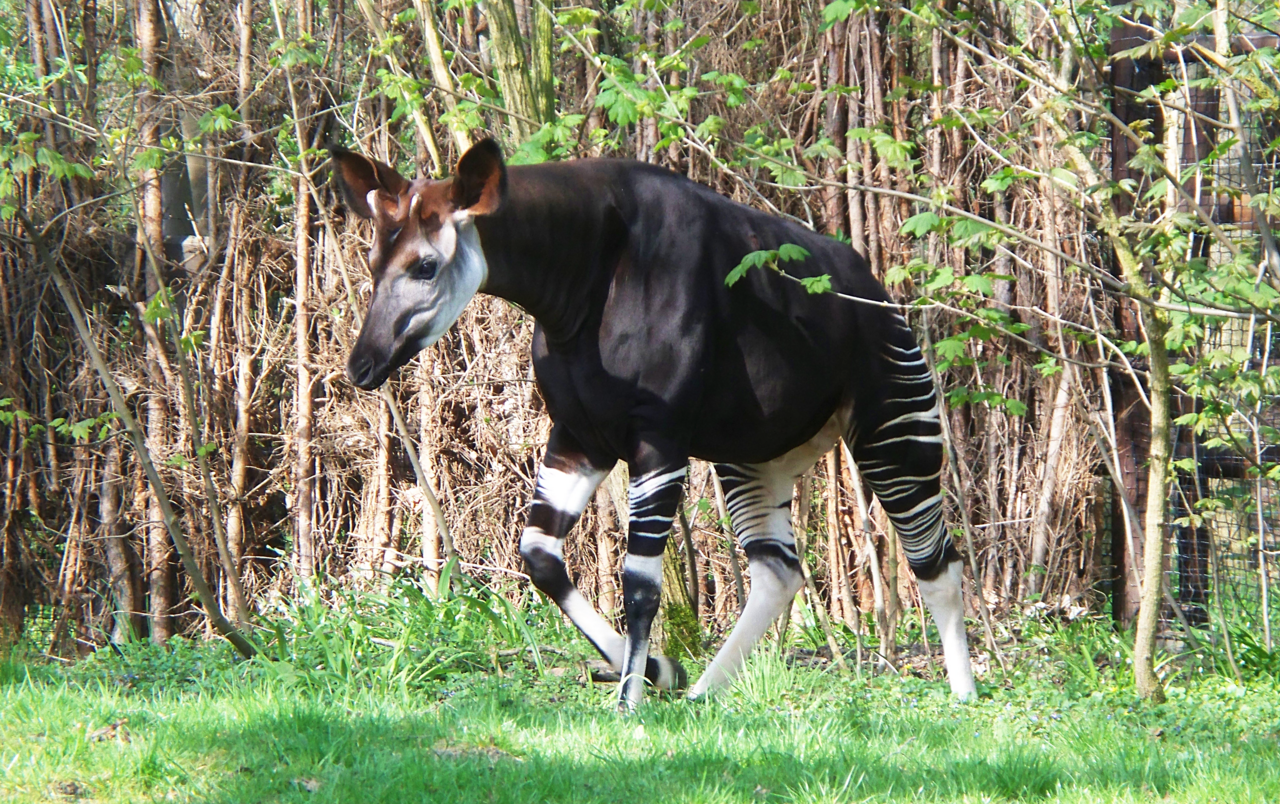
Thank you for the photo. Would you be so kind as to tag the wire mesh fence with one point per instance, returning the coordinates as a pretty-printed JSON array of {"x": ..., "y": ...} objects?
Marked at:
[{"x": 1223, "y": 509}]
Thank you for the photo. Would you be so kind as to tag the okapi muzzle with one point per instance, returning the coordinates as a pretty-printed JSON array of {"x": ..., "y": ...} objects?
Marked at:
[{"x": 426, "y": 261}]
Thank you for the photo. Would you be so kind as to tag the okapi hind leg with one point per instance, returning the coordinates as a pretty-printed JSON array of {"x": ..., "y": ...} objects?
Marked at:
[
  {"x": 943, "y": 598},
  {"x": 897, "y": 445},
  {"x": 759, "y": 503}
]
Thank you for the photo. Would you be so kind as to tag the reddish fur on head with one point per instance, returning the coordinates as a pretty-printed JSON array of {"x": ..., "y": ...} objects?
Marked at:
[
  {"x": 477, "y": 187},
  {"x": 426, "y": 260}
]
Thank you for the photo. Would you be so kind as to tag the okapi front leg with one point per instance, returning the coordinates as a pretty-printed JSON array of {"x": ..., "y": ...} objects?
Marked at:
[
  {"x": 566, "y": 481},
  {"x": 759, "y": 503},
  {"x": 653, "y": 498}
]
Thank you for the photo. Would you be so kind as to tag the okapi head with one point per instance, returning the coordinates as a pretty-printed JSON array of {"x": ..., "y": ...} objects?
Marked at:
[{"x": 426, "y": 261}]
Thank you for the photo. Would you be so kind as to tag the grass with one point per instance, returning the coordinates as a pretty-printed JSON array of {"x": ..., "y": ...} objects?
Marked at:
[{"x": 189, "y": 723}]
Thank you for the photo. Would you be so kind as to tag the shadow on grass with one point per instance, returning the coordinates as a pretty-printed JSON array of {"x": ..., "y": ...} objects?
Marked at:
[{"x": 507, "y": 751}]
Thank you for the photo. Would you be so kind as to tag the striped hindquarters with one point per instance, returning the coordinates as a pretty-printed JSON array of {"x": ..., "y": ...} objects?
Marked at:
[
  {"x": 759, "y": 505},
  {"x": 897, "y": 443}
]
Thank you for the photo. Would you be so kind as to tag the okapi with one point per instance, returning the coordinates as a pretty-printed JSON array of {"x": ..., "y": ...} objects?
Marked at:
[{"x": 642, "y": 353}]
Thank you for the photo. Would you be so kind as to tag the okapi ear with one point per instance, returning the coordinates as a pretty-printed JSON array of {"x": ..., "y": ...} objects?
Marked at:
[
  {"x": 480, "y": 184},
  {"x": 358, "y": 175}
]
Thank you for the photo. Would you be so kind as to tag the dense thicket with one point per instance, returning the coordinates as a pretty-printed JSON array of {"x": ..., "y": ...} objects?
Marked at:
[{"x": 1074, "y": 196}]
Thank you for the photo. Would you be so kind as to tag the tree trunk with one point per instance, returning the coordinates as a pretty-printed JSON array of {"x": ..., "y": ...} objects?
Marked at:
[
  {"x": 853, "y": 147},
  {"x": 304, "y": 478},
  {"x": 440, "y": 72},
  {"x": 159, "y": 568},
  {"x": 606, "y": 550},
  {"x": 431, "y": 537},
  {"x": 236, "y": 531},
  {"x": 381, "y": 552},
  {"x": 125, "y": 580},
  {"x": 842, "y": 607},
  {"x": 1048, "y": 484},
  {"x": 513, "y": 76},
  {"x": 1154, "y": 539},
  {"x": 834, "y": 128},
  {"x": 540, "y": 47},
  {"x": 681, "y": 631},
  {"x": 13, "y": 590},
  {"x": 148, "y": 38},
  {"x": 884, "y": 626}
]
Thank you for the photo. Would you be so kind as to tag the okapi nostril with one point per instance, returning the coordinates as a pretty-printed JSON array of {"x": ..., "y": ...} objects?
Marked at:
[{"x": 359, "y": 370}]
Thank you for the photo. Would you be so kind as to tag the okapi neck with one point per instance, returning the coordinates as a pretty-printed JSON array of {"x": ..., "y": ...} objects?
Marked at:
[{"x": 533, "y": 261}]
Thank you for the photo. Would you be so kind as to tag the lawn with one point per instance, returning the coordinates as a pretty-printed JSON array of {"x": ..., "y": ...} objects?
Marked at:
[{"x": 189, "y": 723}]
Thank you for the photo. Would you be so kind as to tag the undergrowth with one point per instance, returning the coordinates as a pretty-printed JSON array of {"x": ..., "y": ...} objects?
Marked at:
[{"x": 403, "y": 695}]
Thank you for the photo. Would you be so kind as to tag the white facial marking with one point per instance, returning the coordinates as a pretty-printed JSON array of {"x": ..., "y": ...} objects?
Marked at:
[{"x": 455, "y": 284}]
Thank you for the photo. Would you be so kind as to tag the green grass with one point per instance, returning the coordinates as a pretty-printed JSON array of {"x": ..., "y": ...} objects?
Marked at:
[
  {"x": 200, "y": 726},
  {"x": 222, "y": 735}
]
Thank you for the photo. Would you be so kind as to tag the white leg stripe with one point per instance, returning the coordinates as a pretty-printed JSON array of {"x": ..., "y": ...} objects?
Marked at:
[
  {"x": 930, "y": 415},
  {"x": 594, "y": 627},
  {"x": 943, "y": 599},
  {"x": 567, "y": 491},
  {"x": 534, "y": 537},
  {"x": 922, "y": 439},
  {"x": 644, "y": 486},
  {"x": 769, "y": 596},
  {"x": 648, "y": 567},
  {"x": 932, "y": 501}
]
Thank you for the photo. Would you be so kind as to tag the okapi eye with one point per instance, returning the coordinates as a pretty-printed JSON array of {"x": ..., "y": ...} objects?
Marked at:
[{"x": 425, "y": 269}]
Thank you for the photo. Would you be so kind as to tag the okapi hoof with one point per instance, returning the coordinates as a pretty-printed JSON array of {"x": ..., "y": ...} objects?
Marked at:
[{"x": 666, "y": 673}]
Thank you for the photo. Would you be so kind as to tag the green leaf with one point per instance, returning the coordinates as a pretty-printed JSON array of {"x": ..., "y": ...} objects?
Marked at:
[
  {"x": 965, "y": 229},
  {"x": 754, "y": 259},
  {"x": 920, "y": 225},
  {"x": 157, "y": 309},
  {"x": 838, "y": 11},
  {"x": 949, "y": 349},
  {"x": 896, "y": 275},
  {"x": 578, "y": 17},
  {"x": 790, "y": 252},
  {"x": 1048, "y": 367},
  {"x": 81, "y": 429},
  {"x": 1065, "y": 176},
  {"x": 942, "y": 279},
  {"x": 1000, "y": 181},
  {"x": 709, "y": 128},
  {"x": 192, "y": 342},
  {"x": 978, "y": 283},
  {"x": 219, "y": 120},
  {"x": 150, "y": 159},
  {"x": 60, "y": 167},
  {"x": 817, "y": 284},
  {"x": 739, "y": 271}
]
